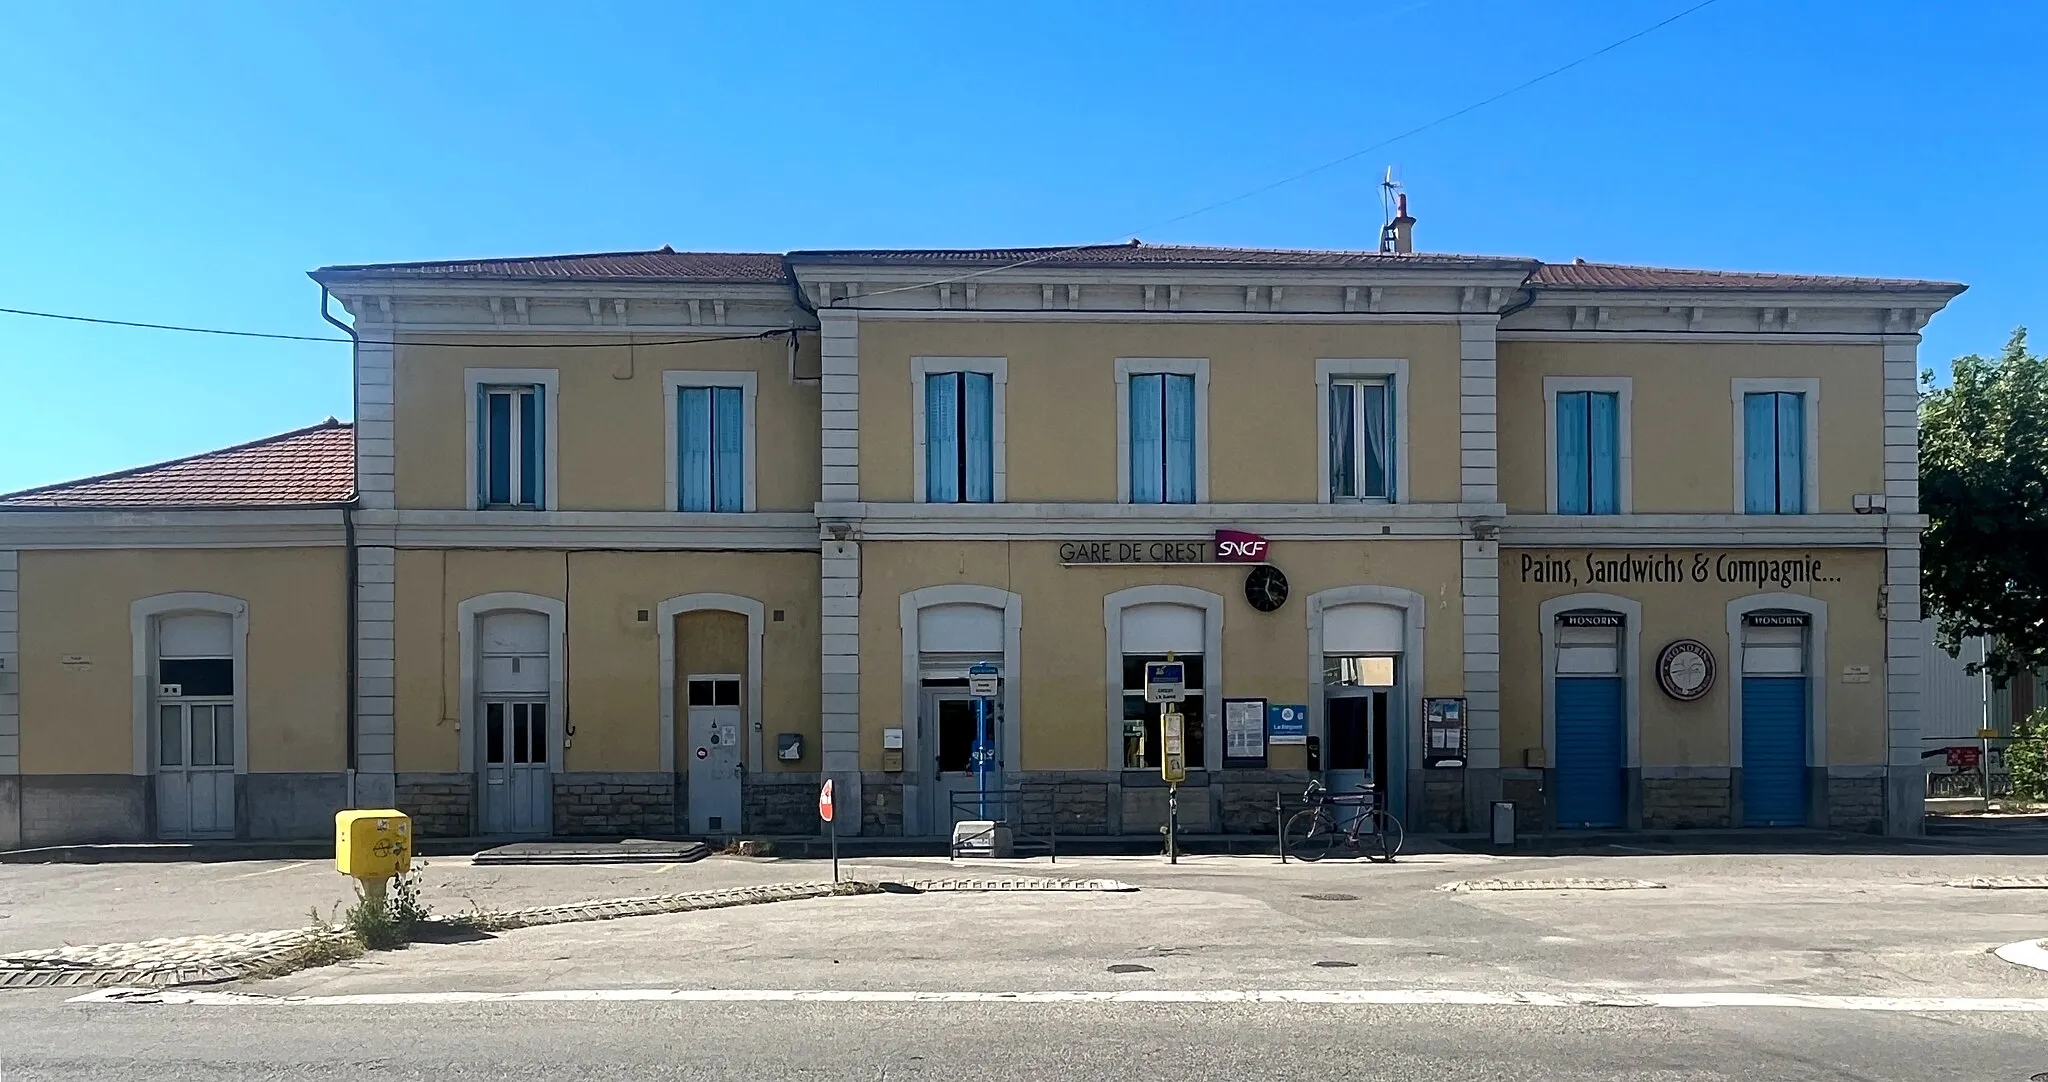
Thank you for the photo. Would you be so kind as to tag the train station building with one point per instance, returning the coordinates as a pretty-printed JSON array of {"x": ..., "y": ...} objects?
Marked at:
[{"x": 651, "y": 542}]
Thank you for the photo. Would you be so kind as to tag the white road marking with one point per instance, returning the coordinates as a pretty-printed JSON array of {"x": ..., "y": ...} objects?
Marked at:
[
  {"x": 657, "y": 869},
  {"x": 271, "y": 871},
  {"x": 1332, "y": 997},
  {"x": 2026, "y": 952}
]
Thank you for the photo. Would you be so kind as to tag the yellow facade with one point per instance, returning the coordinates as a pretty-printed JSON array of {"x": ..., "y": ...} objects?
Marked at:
[
  {"x": 1695, "y": 734},
  {"x": 610, "y": 400},
  {"x": 1065, "y": 644},
  {"x": 77, "y": 663},
  {"x": 1683, "y": 419},
  {"x": 1062, "y": 402}
]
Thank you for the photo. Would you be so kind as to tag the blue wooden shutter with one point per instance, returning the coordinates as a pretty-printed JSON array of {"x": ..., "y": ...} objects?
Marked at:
[
  {"x": 1343, "y": 449},
  {"x": 728, "y": 449},
  {"x": 498, "y": 440},
  {"x": 483, "y": 448},
  {"x": 942, "y": 438},
  {"x": 1180, "y": 439},
  {"x": 531, "y": 493},
  {"x": 1791, "y": 462},
  {"x": 977, "y": 425},
  {"x": 1572, "y": 495},
  {"x": 1603, "y": 438},
  {"x": 1759, "y": 454},
  {"x": 1148, "y": 448},
  {"x": 693, "y": 449}
]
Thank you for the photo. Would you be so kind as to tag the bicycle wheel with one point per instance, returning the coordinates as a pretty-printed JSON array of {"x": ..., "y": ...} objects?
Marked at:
[
  {"x": 1309, "y": 835},
  {"x": 1385, "y": 840}
]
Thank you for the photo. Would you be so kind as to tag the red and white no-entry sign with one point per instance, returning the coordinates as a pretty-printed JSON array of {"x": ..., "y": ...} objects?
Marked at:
[{"x": 825, "y": 801}]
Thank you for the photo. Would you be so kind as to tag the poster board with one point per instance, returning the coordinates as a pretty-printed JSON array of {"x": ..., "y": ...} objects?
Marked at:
[{"x": 1244, "y": 732}]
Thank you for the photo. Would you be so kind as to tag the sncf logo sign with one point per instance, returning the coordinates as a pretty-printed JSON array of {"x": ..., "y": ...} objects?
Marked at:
[{"x": 1239, "y": 547}]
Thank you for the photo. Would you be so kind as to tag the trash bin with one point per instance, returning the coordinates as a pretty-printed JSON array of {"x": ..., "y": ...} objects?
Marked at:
[{"x": 1503, "y": 823}]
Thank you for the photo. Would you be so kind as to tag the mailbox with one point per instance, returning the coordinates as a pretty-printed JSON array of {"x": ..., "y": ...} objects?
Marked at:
[{"x": 372, "y": 844}]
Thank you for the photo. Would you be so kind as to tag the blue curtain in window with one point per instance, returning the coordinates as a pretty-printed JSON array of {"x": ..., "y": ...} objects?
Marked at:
[
  {"x": 693, "y": 449},
  {"x": 482, "y": 494},
  {"x": 1603, "y": 441},
  {"x": 942, "y": 438},
  {"x": 728, "y": 449},
  {"x": 1180, "y": 439},
  {"x": 498, "y": 442},
  {"x": 1760, "y": 454},
  {"x": 1572, "y": 495},
  {"x": 1343, "y": 449},
  {"x": 977, "y": 422},
  {"x": 529, "y": 448},
  {"x": 1379, "y": 458},
  {"x": 1148, "y": 439},
  {"x": 1791, "y": 459}
]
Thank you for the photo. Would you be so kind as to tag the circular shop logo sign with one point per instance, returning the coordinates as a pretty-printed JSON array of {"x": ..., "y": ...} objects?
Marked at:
[{"x": 1685, "y": 670}]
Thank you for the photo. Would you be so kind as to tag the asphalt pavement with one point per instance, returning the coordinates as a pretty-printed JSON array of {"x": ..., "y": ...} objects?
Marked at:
[{"x": 1655, "y": 977}]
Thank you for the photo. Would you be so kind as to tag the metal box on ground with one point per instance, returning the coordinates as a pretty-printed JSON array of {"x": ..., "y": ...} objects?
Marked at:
[
  {"x": 372, "y": 844},
  {"x": 982, "y": 838}
]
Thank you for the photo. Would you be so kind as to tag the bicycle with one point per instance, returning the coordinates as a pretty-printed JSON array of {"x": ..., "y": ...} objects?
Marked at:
[{"x": 1313, "y": 831}]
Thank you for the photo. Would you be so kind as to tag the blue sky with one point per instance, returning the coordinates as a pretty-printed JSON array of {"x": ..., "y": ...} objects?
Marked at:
[{"x": 188, "y": 162}]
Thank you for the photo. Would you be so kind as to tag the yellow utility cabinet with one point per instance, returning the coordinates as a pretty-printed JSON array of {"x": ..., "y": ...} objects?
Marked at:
[{"x": 372, "y": 844}]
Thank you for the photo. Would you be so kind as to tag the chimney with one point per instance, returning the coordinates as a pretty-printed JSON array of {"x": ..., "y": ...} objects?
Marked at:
[{"x": 1404, "y": 226}]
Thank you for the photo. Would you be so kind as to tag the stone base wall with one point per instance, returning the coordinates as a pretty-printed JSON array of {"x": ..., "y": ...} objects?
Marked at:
[
  {"x": 73, "y": 809},
  {"x": 781, "y": 803},
  {"x": 440, "y": 804},
  {"x": 294, "y": 805},
  {"x": 1856, "y": 804},
  {"x": 1443, "y": 802},
  {"x": 1530, "y": 799},
  {"x": 1685, "y": 803},
  {"x": 1056, "y": 802},
  {"x": 881, "y": 805},
  {"x": 1246, "y": 806},
  {"x": 615, "y": 804}
]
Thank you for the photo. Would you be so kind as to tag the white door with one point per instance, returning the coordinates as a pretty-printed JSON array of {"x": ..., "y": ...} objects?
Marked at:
[
  {"x": 193, "y": 745},
  {"x": 515, "y": 745},
  {"x": 717, "y": 773},
  {"x": 948, "y": 722},
  {"x": 195, "y": 769}
]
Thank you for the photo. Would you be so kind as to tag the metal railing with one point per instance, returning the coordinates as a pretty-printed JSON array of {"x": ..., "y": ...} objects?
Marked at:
[
  {"x": 1005, "y": 808},
  {"x": 1967, "y": 783}
]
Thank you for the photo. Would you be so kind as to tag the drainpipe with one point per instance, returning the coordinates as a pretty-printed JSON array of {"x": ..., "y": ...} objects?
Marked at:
[{"x": 348, "y": 542}]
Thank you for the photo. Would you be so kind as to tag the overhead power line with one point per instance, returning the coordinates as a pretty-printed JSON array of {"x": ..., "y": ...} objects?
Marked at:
[
  {"x": 970, "y": 276},
  {"x": 775, "y": 332},
  {"x": 1314, "y": 169}
]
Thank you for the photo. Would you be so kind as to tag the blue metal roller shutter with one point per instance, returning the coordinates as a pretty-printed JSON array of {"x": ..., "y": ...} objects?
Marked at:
[
  {"x": 1774, "y": 751},
  {"x": 1590, "y": 746}
]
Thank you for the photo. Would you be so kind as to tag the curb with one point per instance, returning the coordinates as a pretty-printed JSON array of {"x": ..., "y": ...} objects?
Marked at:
[{"x": 2026, "y": 952}]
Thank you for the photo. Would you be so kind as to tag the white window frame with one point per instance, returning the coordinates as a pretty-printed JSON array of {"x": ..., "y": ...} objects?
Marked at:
[
  {"x": 1126, "y": 367},
  {"x": 1394, "y": 370},
  {"x": 144, "y": 616},
  {"x": 1623, "y": 388},
  {"x": 672, "y": 383},
  {"x": 550, "y": 381},
  {"x": 1211, "y": 606},
  {"x": 998, "y": 371},
  {"x": 1808, "y": 387}
]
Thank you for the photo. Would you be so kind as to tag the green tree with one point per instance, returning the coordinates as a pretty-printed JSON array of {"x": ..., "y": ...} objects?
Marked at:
[{"x": 1984, "y": 489}]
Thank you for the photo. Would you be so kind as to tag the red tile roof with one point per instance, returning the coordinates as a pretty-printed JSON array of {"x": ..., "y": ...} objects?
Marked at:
[
  {"x": 664, "y": 264},
  {"x": 307, "y": 467},
  {"x": 1619, "y": 276},
  {"x": 1135, "y": 254}
]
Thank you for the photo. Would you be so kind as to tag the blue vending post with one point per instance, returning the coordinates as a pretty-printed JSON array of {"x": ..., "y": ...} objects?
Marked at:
[{"x": 983, "y": 678}]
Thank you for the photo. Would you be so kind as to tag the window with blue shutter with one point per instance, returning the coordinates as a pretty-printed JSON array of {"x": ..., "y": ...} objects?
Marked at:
[
  {"x": 1162, "y": 436},
  {"x": 1361, "y": 440},
  {"x": 1774, "y": 453},
  {"x": 1588, "y": 453},
  {"x": 711, "y": 462},
  {"x": 959, "y": 437},
  {"x": 510, "y": 468}
]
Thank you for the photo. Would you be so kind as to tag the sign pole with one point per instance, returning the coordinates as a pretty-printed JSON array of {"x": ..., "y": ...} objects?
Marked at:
[
  {"x": 835, "y": 850},
  {"x": 1172, "y": 822},
  {"x": 830, "y": 815},
  {"x": 981, "y": 756}
]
